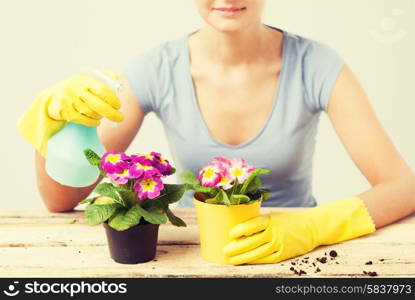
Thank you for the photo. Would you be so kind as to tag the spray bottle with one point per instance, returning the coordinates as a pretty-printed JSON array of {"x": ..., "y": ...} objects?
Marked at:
[{"x": 65, "y": 159}]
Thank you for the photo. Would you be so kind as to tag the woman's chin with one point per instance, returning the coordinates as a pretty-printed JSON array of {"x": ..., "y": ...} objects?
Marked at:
[{"x": 228, "y": 26}]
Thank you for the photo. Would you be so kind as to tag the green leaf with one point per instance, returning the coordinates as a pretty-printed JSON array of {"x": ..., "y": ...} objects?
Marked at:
[
  {"x": 234, "y": 189},
  {"x": 255, "y": 184},
  {"x": 216, "y": 199},
  {"x": 234, "y": 200},
  {"x": 212, "y": 192},
  {"x": 220, "y": 198},
  {"x": 189, "y": 178},
  {"x": 225, "y": 198},
  {"x": 239, "y": 199},
  {"x": 88, "y": 200},
  {"x": 98, "y": 213},
  {"x": 172, "y": 193},
  {"x": 173, "y": 170},
  {"x": 92, "y": 157},
  {"x": 175, "y": 220},
  {"x": 265, "y": 193},
  {"x": 152, "y": 217},
  {"x": 250, "y": 178},
  {"x": 124, "y": 219},
  {"x": 108, "y": 190},
  {"x": 154, "y": 204},
  {"x": 199, "y": 188},
  {"x": 102, "y": 200},
  {"x": 128, "y": 196},
  {"x": 228, "y": 192}
]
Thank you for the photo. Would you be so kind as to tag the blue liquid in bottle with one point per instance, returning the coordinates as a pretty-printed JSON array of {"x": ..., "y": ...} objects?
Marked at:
[{"x": 65, "y": 159}]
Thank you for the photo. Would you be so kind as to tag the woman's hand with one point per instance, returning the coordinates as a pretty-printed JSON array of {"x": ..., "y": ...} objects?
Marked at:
[
  {"x": 278, "y": 236},
  {"x": 82, "y": 99}
]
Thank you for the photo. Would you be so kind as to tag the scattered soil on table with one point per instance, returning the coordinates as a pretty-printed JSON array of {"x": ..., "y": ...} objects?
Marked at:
[
  {"x": 323, "y": 259},
  {"x": 328, "y": 258},
  {"x": 300, "y": 272},
  {"x": 370, "y": 273},
  {"x": 307, "y": 263},
  {"x": 333, "y": 253}
]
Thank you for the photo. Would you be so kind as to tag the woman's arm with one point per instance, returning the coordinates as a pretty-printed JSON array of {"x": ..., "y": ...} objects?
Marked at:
[
  {"x": 59, "y": 198},
  {"x": 392, "y": 195}
]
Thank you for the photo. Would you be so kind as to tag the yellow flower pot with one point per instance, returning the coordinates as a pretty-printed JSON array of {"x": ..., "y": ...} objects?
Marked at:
[{"x": 215, "y": 221}]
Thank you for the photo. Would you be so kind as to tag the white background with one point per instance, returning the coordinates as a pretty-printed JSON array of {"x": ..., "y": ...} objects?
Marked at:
[{"x": 45, "y": 41}]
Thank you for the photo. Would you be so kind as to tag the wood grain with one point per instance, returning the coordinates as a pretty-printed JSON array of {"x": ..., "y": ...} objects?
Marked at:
[{"x": 43, "y": 244}]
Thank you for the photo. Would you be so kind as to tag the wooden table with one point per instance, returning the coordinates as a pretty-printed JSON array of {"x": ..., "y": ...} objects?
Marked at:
[{"x": 43, "y": 244}]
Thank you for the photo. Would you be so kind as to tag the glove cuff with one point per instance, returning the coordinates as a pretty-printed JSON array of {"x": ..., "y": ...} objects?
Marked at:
[
  {"x": 341, "y": 220},
  {"x": 36, "y": 126}
]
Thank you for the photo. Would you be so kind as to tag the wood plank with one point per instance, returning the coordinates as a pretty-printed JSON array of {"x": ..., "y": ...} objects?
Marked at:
[
  {"x": 39, "y": 244},
  {"x": 26, "y": 217},
  {"x": 185, "y": 261},
  {"x": 83, "y": 235},
  {"x": 20, "y": 217},
  {"x": 49, "y": 235}
]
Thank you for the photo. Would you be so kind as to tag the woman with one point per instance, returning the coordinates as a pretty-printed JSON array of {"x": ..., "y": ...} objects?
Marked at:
[{"x": 239, "y": 88}]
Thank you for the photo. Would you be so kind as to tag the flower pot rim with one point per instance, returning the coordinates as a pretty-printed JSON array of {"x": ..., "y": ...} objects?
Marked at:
[
  {"x": 105, "y": 223},
  {"x": 223, "y": 205}
]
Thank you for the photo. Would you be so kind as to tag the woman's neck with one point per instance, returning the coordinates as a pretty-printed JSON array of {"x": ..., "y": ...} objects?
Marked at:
[{"x": 237, "y": 48}]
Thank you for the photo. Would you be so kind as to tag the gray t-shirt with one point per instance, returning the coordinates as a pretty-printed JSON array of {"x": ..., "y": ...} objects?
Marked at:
[{"x": 162, "y": 82}]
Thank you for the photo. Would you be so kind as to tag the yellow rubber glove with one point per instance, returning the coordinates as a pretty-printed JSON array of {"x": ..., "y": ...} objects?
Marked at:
[
  {"x": 278, "y": 236},
  {"x": 79, "y": 99}
]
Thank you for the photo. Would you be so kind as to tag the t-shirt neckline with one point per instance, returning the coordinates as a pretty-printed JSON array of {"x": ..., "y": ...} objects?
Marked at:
[{"x": 277, "y": 97}]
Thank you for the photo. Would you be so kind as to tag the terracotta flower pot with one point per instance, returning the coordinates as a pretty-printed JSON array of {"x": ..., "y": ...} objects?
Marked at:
[
  {"x": 215, "y": 221},
  {"x": 134, "y": 245}
]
